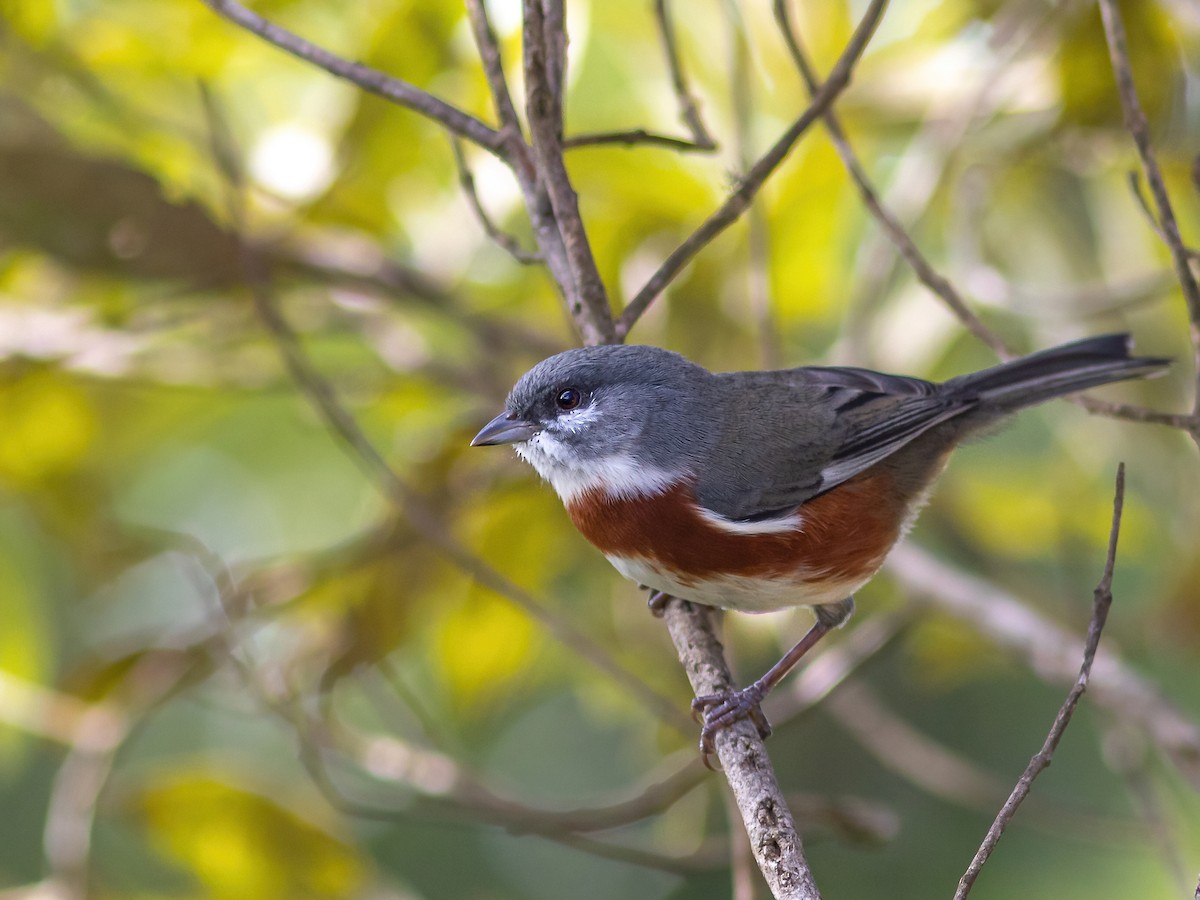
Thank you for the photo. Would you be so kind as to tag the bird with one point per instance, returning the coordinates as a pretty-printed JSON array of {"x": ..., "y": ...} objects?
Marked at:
[{"x": 763, "y": 490}]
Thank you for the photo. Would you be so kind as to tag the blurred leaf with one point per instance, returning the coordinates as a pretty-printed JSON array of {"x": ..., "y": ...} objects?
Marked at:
[
  {"x": 241, "y": 844},
  {"x": 944, "y": 654},
  {"x": 46, "y": 426},
  {"x": 483, "y": 644}
]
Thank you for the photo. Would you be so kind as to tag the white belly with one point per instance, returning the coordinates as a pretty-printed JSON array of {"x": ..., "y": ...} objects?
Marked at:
[{"x": 736, "y": 591}]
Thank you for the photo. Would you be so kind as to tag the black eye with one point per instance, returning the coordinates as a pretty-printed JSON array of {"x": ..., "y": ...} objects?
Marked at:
[{"x": 568, "y": 399}]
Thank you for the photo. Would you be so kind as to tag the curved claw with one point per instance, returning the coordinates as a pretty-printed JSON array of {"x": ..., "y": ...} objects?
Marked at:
[{"x": 719, "y": 711}]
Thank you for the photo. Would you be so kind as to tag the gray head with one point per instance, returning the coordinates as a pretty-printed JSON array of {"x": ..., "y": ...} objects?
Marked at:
[{"x": 617, "y": 418}]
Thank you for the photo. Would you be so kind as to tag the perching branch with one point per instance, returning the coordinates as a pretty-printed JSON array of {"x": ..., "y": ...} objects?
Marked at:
[
  {"x": 768, "y": 821},
  {"x": 737, "y": 202},
  {"x": 1102, "y": 600}
]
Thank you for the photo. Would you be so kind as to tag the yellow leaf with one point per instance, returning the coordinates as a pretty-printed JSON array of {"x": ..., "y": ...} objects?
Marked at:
[
  {"x": 46, "y": 427},
  {"x": 241, "y": 844},
  {"x": 483, "y": 645}
]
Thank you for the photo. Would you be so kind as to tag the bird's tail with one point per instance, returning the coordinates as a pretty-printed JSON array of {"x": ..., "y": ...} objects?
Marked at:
[{"x": 1059, "y": 370}]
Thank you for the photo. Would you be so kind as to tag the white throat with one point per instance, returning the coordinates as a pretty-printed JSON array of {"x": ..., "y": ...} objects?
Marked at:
[{"x": 618, "y": 475}]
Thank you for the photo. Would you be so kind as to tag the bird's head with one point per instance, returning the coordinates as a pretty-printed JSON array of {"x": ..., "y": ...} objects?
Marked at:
[{"x": 625, "y": 420}]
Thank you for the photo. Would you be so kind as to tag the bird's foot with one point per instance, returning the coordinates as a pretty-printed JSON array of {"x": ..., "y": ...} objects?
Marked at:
[
  {"x": 657, "y": 602},
  {"x": 719, "y": 711}
]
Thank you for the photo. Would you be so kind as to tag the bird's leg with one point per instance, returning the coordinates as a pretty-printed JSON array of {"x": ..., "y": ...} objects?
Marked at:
[
  {"x": 657, "y": 601},
  {"x": 721, "y": 710}
]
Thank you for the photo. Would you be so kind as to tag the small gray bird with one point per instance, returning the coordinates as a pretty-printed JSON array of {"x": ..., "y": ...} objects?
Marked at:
[{"x": 758, "y": 491}]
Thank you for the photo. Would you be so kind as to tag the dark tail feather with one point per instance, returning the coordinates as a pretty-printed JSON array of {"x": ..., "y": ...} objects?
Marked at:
[{"x": 1059, "y": 370}]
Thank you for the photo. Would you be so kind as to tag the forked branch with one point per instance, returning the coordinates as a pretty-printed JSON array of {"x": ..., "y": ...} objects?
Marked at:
[{"x": 739, "y": 201}]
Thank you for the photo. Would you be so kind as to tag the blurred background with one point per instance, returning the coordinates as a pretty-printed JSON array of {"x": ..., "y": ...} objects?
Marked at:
[{"x": 237, "y": 660}]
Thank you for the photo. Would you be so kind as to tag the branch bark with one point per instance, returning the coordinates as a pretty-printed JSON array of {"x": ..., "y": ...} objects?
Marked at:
[
  {"x": 545, "y": 60},
  {"x": 774, "y": 840},
  {"x": 390, "y": 88},
  {"x": 1139, "y": 130}
]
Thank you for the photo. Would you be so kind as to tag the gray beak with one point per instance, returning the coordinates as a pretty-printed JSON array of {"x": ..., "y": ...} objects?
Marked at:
[{"x": 506, "y": 428}]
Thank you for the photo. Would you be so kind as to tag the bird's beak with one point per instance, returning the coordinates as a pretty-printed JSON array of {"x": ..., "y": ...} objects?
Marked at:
[{"x": 506, "y": 428}]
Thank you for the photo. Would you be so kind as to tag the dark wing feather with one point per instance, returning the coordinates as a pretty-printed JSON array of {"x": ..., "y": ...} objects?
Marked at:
[{"x": 795, "y": 434}]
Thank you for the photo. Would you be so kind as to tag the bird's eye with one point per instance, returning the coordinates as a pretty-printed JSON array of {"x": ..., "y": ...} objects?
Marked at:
[{"x": 568, "y": 399}]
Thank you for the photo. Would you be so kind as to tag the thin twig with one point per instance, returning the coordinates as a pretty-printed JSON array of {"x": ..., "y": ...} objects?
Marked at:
[
  {"x": 1130, "y": 413},
  {"x": 765, "y": 815},
  {"x": 891, "y": 226},
  {"x": 545, "y": 50},
  {"x": 1144, "y": 204},
  {"x": 738, "y": 201},
  {"x": 498, "y": 236},
  {"x": 687, "y": 104},
  {"x": 758, "y": 237},
  {"x": 1102, "y": 600},
  {"x": 700, "y": 141},
  {"x": 1125, "y": 753},
  {"x": 371, "y": 80},
  {"x": 632, "y": 138},
  {"x": 493, "y": 67},
  {"x": 1139, "y": 130},
  {"x": 520, "y": 156}
]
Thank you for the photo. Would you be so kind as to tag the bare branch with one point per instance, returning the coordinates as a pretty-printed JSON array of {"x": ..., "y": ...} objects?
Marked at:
[
  {"x": 390, "y": 88},
  {"x": 891, "y": 226},
  {"x": 545, "y": 50},
  {"x": 737, "y": 202},
  {"x": 1129, "y": 413},
  {"x": 768, "y": 821},
  {"x": 1050, "y": 651},
  {"x": 1102, "y": 600},
  {"x": 501, "y": 238},
  {"x": 700, "y": 141},
  {"x": 493, "y": 67},
  {"x": 632, "y": 138},
  {"x": 687, "y": 105},
  {"x": 1135, "y": 187},
  {"x": 1139, "y": 130},
  {"x": 912, "y": 755},
  {"x": 758, "y": 237}
]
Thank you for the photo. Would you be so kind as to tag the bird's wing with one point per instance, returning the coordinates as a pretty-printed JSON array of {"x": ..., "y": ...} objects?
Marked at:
[{"x": 793, "y": 435}]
